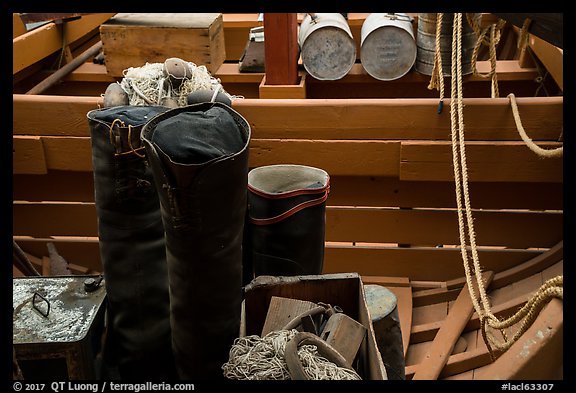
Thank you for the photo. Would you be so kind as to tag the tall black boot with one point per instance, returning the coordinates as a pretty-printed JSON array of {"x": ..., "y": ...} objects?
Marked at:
[
  {"x": 132, "y": 248},
  {"x": 286, "y": 212},
  {"x": 199, "y": 157}
]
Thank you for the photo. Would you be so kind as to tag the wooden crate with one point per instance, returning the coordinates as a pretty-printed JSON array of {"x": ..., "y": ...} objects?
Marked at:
[
  {"x": 345, "y": 290},
  {"x": 134, "y": 39}
]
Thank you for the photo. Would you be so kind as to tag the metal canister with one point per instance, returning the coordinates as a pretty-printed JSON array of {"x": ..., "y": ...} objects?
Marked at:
[
  {"x": 327, "y": 46},
  {"x": 383, "y": 307},
  {"x": 426, "y": 43},
  {"x": 58, "y": 324},
  {"x": 388, "y": 46}
]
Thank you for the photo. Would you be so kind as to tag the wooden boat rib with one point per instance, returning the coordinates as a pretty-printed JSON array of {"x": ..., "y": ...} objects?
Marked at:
[
  {"x": 391, "y": 213},
  {"x": 423, "y": 312}
]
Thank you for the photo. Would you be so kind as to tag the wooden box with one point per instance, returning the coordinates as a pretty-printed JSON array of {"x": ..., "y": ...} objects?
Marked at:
[
  {"x": 134, "y": 39},
  {"x": 341, "y": 289}
]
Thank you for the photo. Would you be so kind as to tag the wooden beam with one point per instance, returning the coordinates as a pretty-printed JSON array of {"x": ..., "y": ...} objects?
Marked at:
[
  {"x": 281, "y": 48},
  {"x": 516, "y": 273},
  {"x": 551, "y": 56},
  {"x": 28, "y": 155},
  {"x": 414, "y": 262},
  {"x": 547, "y": 26},
  {"x": 372, "y": 158},
  {"x": 538, "y": 352},
  {"x": 514, "y": 229},
  {"x": 39, "y": 43},
  {"x": 18, "y": 27},
  {"x": 344, "y": 191},
  {"x": 487, "y": 161},
  {"x": 404, "y": 119},
  {"x": 66, "y": 69},
  {"x": 452, "y": 328}
]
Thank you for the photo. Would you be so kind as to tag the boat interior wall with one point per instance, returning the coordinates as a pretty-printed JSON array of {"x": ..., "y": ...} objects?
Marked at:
[
  {"x": 392, "y": 216},
  {"x": 383, "y": 142}
]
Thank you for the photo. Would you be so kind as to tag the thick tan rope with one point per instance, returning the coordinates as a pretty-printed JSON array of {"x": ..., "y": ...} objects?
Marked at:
[
  {"x": 552, "y": 288},
  {"x": 437, "y": 78},
  {"x": 495, "y": 33},
  {"x": 558, "y": 152}
]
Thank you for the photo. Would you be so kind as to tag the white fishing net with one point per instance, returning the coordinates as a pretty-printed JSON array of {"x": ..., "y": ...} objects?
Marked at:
[
  {"x": 262, "y": 358},
  {"x": 148, "y": 85}
]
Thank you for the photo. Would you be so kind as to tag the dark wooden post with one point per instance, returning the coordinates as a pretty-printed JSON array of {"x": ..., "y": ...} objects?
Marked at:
[{"x": 281, "y": 48}]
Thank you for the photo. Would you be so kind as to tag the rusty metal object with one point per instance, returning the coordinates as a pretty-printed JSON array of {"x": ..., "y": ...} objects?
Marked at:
[
  {"x": 57, "y": 326},
  {"x": 65, "y": 70}
]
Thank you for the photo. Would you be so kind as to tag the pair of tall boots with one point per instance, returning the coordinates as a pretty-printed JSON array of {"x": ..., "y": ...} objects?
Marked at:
[{"x": 175, "y": 203}]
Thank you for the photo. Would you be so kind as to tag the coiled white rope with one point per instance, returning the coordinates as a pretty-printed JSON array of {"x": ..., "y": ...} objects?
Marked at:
[
  {"x": 148, "y": 85},
  {"x": 262, "y": 358}
]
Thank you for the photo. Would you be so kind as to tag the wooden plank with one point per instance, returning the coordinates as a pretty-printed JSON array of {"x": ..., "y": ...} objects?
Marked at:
[
  {"x": 427, "y": 161},
  {"x": 344, "y": 191},
  {"x": 283, "y": 310},
  {"x": 514, "y": 229},
  {"x": 28, "y": 155},
  {"x": 39, "y": 43},
  {"x": 52, "y": 115},
  {"x": 68, "y": 153},
  {"x": 452, "y": 327},
  {"x": 538, "y": 352},
  {"x": 281, "y": 48},
  {"x": 195, "y": 37},
  {"x": 402, "y": 119},
  {"x": 82, "y": 251},
  {"x": 546, "y": 26},
  {"x": 54, "y": 186},
  {"x": 388, "y": 191},
  {"x": 54, "y": 219},
  {"x": 549, "y": 263},
  {"x": 45, "y": 266},
  {"x": 507, "y": 70},
  {"x": 366, "y": 157},
  {"x": 487, "y": 161},
  {"x": 551, "y": 56},
  {"x": 297, "y": 90},
  {"x": 414, "y": 262},
  {"x": 18, "y": 27},
  {"x": 504, "y": 307},
  {"x": 372, "y": 158}
]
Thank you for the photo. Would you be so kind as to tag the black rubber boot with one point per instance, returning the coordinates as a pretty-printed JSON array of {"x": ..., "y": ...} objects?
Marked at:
[
  {"x": 199, "y": 157},
  {"x": 131, "y": 235},
  {"x": 286, "y": 211}
]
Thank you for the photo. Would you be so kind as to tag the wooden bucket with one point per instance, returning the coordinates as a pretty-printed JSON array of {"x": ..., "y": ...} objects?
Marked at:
[
  {"x": 388, "y": 47},
  {"x": 327, "y": 46},
  {"x": 426, "y": 44}
]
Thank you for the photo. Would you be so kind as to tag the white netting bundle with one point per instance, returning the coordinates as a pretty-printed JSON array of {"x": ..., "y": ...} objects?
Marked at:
[
  {"x": 150, "y": 85},
  {"x": 262, "y": 358}
]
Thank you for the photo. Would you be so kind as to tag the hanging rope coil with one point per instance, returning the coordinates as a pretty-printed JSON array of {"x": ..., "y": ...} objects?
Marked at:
[{"x": 552, "y": 288}]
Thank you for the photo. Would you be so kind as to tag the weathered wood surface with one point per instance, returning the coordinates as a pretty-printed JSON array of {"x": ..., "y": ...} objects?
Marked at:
[
  {"x": 343, "y": 224},
  {"x": 451, "y": 329},
  {"x": 35, "y": 45},
  {"x": 281, "y": 48},
  {"x": 134, "y": 39},
  {"x": 344, "y": 191}
]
